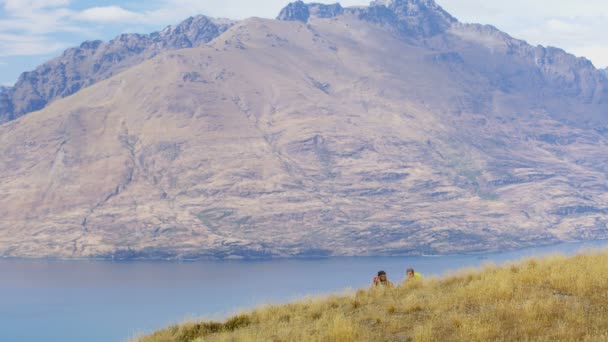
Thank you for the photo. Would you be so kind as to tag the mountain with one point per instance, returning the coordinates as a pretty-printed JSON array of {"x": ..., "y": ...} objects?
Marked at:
[
  {"x": 94, "y": 61},
  {"x": 347, "y": 131}
]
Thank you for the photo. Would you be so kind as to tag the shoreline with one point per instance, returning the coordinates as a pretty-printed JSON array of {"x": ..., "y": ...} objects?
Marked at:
[{"x": 277, "y": 258}]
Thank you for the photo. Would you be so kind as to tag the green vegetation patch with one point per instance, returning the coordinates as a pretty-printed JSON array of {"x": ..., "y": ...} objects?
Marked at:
[{"x": 193, "y": 331}]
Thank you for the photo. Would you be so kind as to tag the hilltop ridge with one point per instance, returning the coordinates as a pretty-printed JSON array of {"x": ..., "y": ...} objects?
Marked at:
[{"x": 553, "y": 299}]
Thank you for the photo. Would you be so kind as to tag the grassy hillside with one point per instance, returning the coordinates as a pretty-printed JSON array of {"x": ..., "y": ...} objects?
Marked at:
[{"x": 557, "y": 298}]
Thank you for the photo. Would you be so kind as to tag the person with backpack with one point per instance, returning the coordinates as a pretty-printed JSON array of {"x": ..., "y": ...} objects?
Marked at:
[{"x": 381, "y": 281}]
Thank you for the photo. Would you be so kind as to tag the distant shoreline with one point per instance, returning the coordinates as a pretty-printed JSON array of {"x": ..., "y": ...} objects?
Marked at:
[{"x": 220, "y": 259}]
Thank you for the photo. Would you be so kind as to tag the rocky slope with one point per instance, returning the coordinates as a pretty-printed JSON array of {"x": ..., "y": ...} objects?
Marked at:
[
  {"x": 94, "y": 61},
  {"x": 349, "y": 132},
  {"x": 507, "y": 63}
]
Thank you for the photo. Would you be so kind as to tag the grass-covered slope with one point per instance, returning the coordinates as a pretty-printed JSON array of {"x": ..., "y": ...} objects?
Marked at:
[{"x": 557, "y": 298}]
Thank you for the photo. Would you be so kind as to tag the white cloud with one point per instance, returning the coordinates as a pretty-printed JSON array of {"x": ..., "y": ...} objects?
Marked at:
[
  {"x": 37, "y": 17},
  {"x": 561, "y": 26},
  {"x": 19, "y": 45},
  {"x": 108, "y": 14},
  {"x": 518, "y": 10},
  {"x": 29, "y": 5},
  {"x": 30, "y": 27},
  {"x": 556, "y": 30}
]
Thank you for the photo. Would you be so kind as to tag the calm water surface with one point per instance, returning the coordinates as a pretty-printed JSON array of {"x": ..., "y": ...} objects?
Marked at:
[{"x": 76, "y": 300}]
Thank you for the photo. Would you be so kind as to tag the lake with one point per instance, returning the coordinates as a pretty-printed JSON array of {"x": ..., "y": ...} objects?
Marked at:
[{"x": 93, "y": 300}]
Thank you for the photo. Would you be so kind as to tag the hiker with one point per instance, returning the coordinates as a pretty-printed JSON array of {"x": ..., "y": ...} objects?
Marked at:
[
  {"x": 411, "y": 274},
  {"x": 381, "y": 280}
]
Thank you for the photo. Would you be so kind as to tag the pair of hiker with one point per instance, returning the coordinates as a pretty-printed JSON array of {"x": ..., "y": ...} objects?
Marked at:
[{"x": 382, "y": 281}]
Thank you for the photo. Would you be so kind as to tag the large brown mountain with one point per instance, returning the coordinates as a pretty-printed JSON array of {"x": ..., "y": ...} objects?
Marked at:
[
  {"x": 388, "y": 129},
  {"x": 94, "y": 61}
]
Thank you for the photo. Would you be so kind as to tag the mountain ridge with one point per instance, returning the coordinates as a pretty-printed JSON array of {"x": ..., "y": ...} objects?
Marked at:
[
  {"x": 409, "y": 17},
  {"x": 68, "y": 73},
  {"x": 93, "y": 61},
  {"x": 425, "y": 19}
]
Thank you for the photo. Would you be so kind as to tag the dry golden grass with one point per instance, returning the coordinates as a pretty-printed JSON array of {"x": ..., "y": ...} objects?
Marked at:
[{"x": 557, "y": 298}]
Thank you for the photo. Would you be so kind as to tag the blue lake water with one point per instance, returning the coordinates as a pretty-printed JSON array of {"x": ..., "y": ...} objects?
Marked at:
[{"x": 91, "y": 300}]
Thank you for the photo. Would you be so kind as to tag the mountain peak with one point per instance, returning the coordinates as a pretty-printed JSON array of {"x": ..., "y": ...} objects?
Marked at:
[
  {"x": 194, "y": 29},
  {"x": 415, "y": 8},
  {"x": 420, "y": 17},
  {"x": 299, "y": 11},
  {"x": 410, "y": 17},
  {"x": 295, "y": 11}
]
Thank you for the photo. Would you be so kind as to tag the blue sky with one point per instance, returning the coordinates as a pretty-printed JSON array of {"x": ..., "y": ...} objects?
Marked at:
[{"x": 33, "y": 31}]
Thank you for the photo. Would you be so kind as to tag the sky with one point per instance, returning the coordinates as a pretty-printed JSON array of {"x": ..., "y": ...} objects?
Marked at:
[{"x": 34, "y": 31}]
